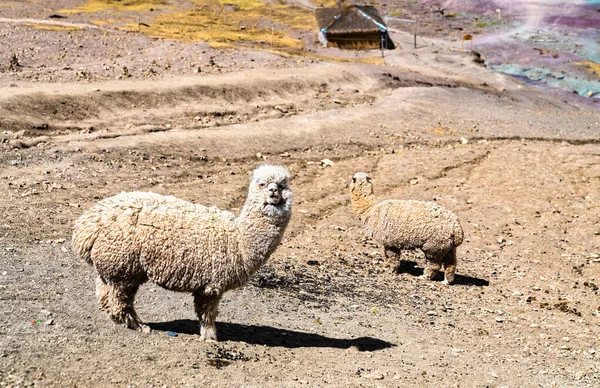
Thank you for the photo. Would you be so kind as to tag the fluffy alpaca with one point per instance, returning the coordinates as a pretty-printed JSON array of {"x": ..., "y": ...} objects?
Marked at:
[
  {"x": 399, "y": 225},
  {"x": 134, "y": 237}
]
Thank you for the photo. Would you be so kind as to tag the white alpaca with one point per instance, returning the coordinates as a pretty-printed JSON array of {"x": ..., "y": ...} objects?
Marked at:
[{"x": 134, "y": 237}]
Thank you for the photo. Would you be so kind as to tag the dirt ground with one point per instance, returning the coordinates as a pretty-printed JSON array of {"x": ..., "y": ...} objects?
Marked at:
[{"x": 520, "y": 167}]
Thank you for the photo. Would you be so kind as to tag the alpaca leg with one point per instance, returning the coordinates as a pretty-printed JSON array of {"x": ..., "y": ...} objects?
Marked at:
[
  {"x": 117, "y": 301},
  {"x": 207, "y": 309},
  {"x": 432, "y": 266},
  {"x": 392, "y": 258},
  {"x": 450, "y": 266},
  {"x": 431, "y": 270}
]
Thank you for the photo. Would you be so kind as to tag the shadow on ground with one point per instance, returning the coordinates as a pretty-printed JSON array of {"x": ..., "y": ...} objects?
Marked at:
[
  {"x": 410, "y": 267},
  {"x": 272, "y": 336}
]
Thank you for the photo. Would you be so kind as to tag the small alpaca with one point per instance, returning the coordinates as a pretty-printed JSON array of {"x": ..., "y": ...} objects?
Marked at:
[
  {"x": 134, "y": 237},
  {"x": 399, "y": 225}
]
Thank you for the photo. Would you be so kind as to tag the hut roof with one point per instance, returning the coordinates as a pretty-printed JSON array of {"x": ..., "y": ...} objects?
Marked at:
[{"x": 349, "y": 19}]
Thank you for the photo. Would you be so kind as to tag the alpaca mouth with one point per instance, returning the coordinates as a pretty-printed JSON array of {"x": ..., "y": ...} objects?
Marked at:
[{"x": 274, "y": 199}]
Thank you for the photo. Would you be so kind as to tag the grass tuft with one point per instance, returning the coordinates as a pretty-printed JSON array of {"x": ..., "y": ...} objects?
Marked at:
[
  {"x": 593, "y": 67},
  {"x": 117, "y": 5},
  {"x": 54, "y": 27}
]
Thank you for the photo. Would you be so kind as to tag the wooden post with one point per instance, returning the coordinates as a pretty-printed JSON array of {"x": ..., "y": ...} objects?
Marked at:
[{"x": 415, "y": 35}]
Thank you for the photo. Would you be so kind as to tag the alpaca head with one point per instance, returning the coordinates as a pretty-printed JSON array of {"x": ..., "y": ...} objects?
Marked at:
[
  {"x": 361, "y": 185},
  {"x": 269, "y": 191}
]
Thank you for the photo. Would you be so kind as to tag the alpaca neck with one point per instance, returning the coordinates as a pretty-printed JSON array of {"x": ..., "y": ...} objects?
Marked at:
[
  {"x": 362, "y": 204},
  {"x": 260, "y": 234}
]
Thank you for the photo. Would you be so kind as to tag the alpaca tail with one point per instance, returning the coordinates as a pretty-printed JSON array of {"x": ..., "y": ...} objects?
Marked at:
[
  {"x": 458, "y": 234},
  {"x": 85, "y": 232}
]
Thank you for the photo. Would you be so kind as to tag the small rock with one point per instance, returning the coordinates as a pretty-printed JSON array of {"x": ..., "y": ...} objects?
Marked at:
[
  {"x": 413, "y": 181},
  {"x": 375, "y": 375},
  {"x": 499, "y": 320},
  {"x": 172, "y": 334},
  {"x": 146, "y": 329},
  {"x": 431, "y": 313},
  {"x": 327, "y": 163},
  {"x": 463, "y": 140},
  {"x": 49, "y": 322}
]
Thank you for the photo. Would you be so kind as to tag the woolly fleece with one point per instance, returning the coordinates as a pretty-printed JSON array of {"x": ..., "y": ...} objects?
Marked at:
[
  {"x": 399, "y": 225},
  {"x": 137, "y": 236}
]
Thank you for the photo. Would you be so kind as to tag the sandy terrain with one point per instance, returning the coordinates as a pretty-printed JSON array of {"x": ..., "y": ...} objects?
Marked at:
[{"x": 520, "y": 167}]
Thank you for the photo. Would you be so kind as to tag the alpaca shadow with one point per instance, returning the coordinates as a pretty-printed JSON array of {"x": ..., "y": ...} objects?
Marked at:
[
  {"x": 271, "y": 336},
  {"x": 410, "y": 267}
]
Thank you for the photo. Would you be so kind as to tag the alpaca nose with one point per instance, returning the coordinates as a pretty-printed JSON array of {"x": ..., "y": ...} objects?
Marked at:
[{"x": 273, "y": 189}]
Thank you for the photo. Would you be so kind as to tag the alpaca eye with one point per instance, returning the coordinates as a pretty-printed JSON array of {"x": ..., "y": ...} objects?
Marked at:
[{"x": 262, "y": 185}]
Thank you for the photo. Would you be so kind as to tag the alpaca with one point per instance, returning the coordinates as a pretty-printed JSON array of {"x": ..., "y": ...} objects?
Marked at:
[
  {"x": 134, "y": 237},
  {"x": 399, "y": 225}
]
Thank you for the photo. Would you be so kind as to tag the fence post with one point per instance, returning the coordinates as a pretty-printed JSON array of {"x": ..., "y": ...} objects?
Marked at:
[{"x": 416, "y": 34}]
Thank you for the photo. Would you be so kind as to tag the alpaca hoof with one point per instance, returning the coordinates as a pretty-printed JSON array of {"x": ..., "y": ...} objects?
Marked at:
[
  {"x": 145, "y": 329},
  {"x": 208, "y": 335},
  {"x": 445, "y": 282},
  {"x": 208, "y": 338},
  {"x": 133, "y": 324},
  {"x": 422, "y": 277}
]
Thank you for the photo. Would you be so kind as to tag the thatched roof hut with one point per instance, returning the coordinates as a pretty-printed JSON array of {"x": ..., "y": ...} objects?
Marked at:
[{"x": 352, "y": 26}]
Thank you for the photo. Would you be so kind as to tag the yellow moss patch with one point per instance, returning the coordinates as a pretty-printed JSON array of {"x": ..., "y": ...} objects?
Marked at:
[
  {"x": 117, "y": 5},
  {"x": 231, "y": 21},
  {"x": 53, "y": 27},
  {"x": 592, "y": 66},
  {"x": 221, "y": 21},
  {"x": 441, "y": 131},
  {"x": 325, "y": 3},
  {"x": 221, "y": 45},
  {"x": 396, "y": 13}
]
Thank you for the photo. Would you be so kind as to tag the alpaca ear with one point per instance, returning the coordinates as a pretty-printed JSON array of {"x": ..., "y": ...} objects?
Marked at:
[
  {"x": 368, "y": 179},
  {"x": 353, "y": 179}
]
